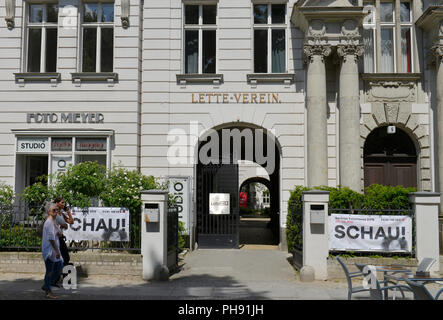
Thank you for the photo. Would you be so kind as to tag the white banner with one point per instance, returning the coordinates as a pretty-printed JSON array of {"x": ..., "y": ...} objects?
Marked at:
[
  {"x": 99, "y": 223},
  {"x": 370, "y": 233},
  {"x": 179, "y": 188}
]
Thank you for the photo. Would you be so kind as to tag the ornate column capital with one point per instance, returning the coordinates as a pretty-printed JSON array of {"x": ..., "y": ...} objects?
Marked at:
[
  {"x": 322, "y": 50},
  {"x": 345, "y": 50}
]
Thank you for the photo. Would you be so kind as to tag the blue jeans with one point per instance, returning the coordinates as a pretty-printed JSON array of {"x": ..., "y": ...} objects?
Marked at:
[{"x": 53, "y": 271}]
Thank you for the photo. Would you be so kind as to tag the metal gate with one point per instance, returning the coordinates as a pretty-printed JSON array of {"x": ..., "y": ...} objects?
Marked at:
[
  {"x": 217, "y": 231},
  {"x": 172, "y": 239}
]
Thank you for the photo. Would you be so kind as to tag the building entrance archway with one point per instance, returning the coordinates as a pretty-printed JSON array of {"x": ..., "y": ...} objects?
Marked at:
[
  {"x": 219, "y": 154},
  {"x": 390, "y": 158}
]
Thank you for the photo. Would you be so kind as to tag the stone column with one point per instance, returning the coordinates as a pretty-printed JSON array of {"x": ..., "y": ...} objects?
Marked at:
[
  {"x": 438, "y": 51},
  {"x": 317, "y": 139},
  {"x": 349, "y": 117}
]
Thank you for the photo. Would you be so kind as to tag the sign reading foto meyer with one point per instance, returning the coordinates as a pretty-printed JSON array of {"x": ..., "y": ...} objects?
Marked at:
[
  {"x": 219, "y": 203},
  {"x": 99, "y": 223},
  {"x": 370, "y": 233}
]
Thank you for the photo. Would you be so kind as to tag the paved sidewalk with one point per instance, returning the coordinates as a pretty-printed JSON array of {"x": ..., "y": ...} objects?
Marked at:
[{"x": 205, "y": 274}]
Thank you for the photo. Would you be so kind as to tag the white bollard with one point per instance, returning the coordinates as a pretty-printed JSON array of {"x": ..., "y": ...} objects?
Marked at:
[
  {"x": 316, "y": 233},
  {"x": 426, "y": 208},
  {"x": 154, "y": 246}
]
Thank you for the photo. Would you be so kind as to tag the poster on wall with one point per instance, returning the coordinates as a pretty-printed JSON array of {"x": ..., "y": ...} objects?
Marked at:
[
  {"x": 381, "y": 233},
  {"x": 60, "y": 163},
  {"x": 219, "y": 203},
  {"x": 99, "y": 223},
  {"x": 180, "y": 190}
]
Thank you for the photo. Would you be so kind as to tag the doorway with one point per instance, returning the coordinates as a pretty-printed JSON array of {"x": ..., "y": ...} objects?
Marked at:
[
  {"x": 390, "y": 158},
  {"x": 219, "y": 177}
]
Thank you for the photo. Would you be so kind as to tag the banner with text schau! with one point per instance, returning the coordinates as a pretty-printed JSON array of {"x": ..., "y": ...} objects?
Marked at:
[
  {"x": 99, "y": 223},
  {"x": 370, "y": 233}
]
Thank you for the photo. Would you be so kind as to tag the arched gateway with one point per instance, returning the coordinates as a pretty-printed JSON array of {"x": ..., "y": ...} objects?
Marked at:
[{"x": 217, "y": 196}]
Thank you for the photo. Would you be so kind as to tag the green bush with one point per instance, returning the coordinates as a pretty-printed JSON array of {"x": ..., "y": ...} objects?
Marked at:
[
  {"x": 376, "y": 197},
  {"x": 294, "y": 237},
  {"x": 19, "y": 236},
  {"x": 181, "y": 239},
  {"x": 122, "y": 188},
  {"x": 6, "y": 204},
  {"x": 6, "y": 196},
  {"x": 81, "y": 184}
]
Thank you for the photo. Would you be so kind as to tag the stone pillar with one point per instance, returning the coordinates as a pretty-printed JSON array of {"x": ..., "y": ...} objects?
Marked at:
[
  {"x": 154, "y": 242},
  {"x": 426, "y": 208},
  {"x": 349, "y": 117},
  {"x": 315, "y": 235},
  {"x": 316, "y": 105}
]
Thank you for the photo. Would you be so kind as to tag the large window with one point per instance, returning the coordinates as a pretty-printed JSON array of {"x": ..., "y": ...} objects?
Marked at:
[
  {"x": 387, "y": 33},
  {"x": 200, "y": 38},
  {"x": 98, "y": 37},
  {"x": 42, "y": 37},
  {"x": 270, "y": 38}
]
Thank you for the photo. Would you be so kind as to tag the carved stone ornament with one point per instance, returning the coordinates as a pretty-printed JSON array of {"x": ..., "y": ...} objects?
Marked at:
[
  {"x": 316, "y": 50},
  {"x": 349, "y": 31},
  {"x": 10, "y": 13},
  {"x": 316, "y": 31},
  {"x": 436, "y": 54},
  {"x": 345, "y": 50},
  {"x": 391, "y": 110},
  {"x": 125, "y": 13},
  {"x": 391, "y": 91}
]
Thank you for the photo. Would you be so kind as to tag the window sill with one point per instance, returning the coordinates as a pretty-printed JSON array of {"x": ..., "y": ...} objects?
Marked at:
[
  {"x": 283, "y": 78},
  {"x": 109, "y": 77},
  {"x": 184, "y": 79},
  {"x": 52, "y": 77},
  {"x": 391, "y": 76}
]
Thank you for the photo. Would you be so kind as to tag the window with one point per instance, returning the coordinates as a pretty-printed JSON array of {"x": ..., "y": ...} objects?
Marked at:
[
  {"x": 383, "y": 40},
  {"x": 42, "y": 37},
  {"x": 200, "y": 38},
  {"x": 98, "y": 37},
  {"x": 270, "y": 38},
  {"x": 266, "y": 197}
]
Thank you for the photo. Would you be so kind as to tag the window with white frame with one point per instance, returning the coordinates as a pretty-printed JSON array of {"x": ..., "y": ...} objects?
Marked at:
[
  {"x": 97, "y": 37},
  {"x": 387, "y": 37},
  {"x": 41, "y": 32},
  {"x": 270, "y": 38},
  {"x": 200, "y": 45}
]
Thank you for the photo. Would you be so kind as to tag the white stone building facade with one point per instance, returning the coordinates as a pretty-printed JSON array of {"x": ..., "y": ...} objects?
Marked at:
[{"x": 125, "y": 82}]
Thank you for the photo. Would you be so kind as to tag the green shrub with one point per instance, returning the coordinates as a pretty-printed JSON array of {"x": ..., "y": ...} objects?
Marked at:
[
  {"x": 6, "y": 205},
  {"x": 181, "y": 239},
  {"x": 36, "y": 195},
  {"x": 387, "y": 197},
  {"x": 122, "y": 188},
  {"x": 19, "y": 236},
  {"x": 81, "y": 184},
  {"x": 294, "y": 237},
  {"x": 6, "y": 196}
]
